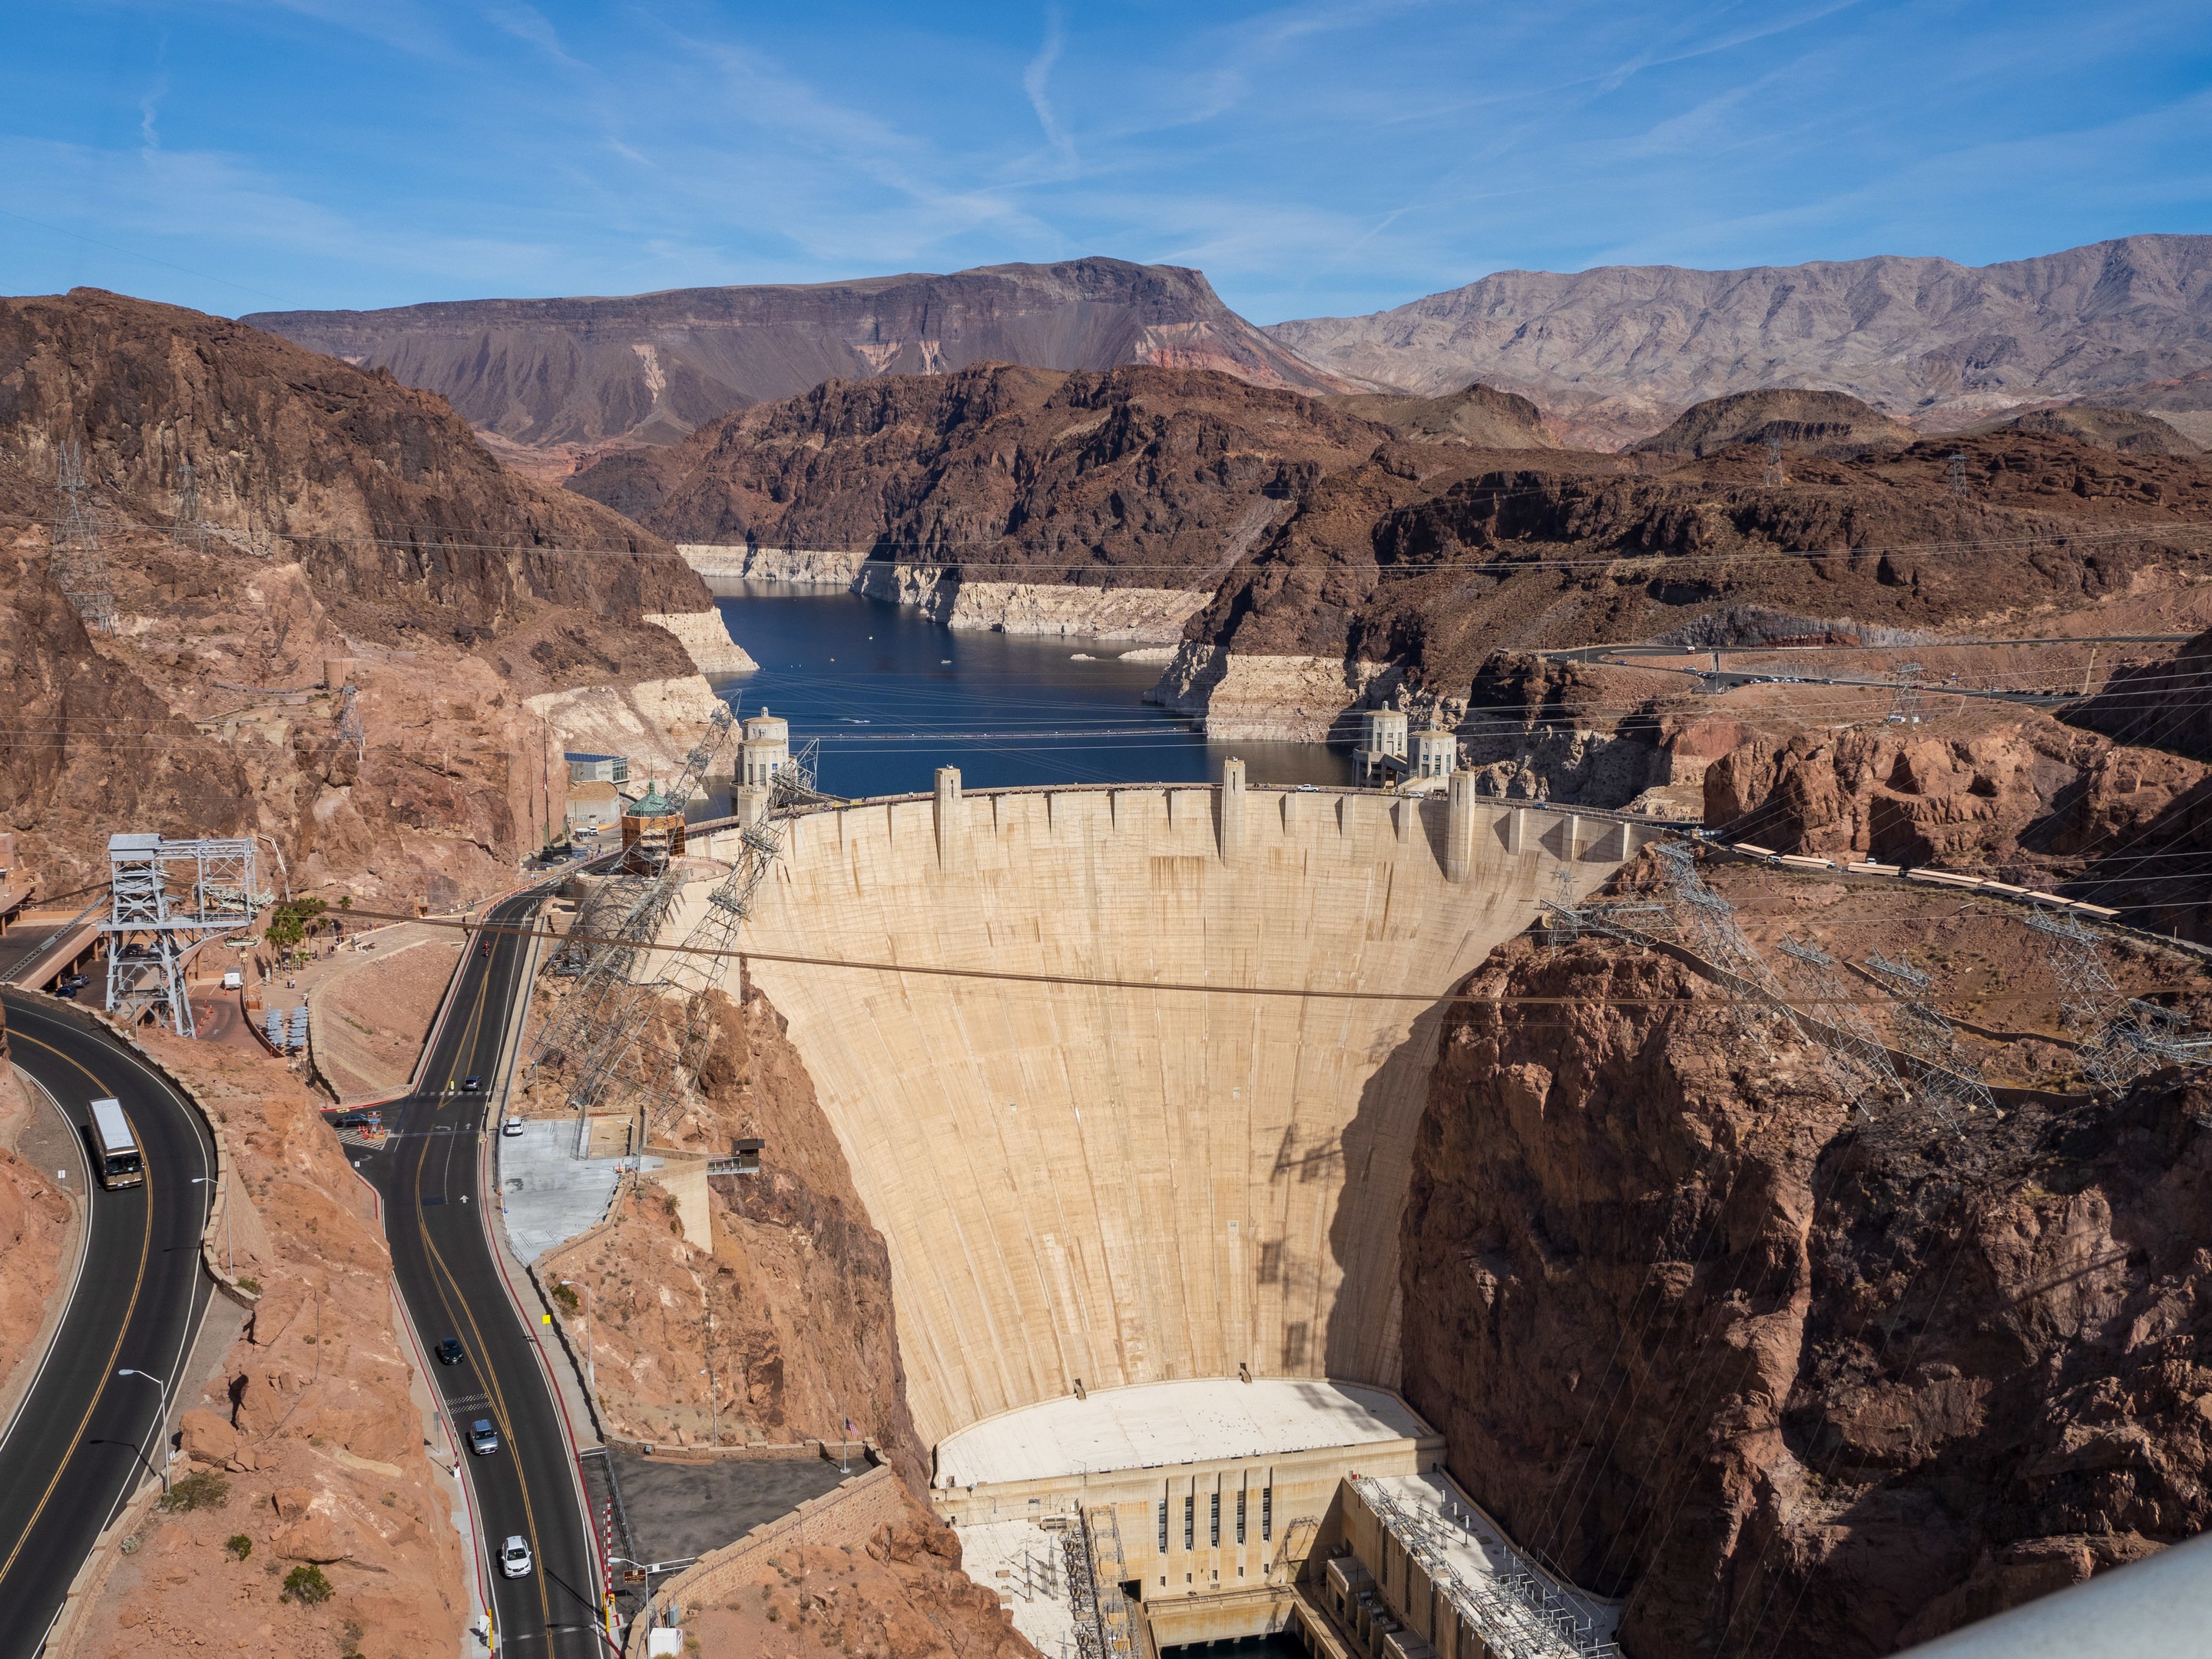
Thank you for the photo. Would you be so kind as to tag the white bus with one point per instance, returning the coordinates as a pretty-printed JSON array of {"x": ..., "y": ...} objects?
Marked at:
[{"x": 121, "y": 1165}]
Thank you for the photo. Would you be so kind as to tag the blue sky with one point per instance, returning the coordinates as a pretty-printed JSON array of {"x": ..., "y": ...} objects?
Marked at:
[{"x": 1324, "y": 159}]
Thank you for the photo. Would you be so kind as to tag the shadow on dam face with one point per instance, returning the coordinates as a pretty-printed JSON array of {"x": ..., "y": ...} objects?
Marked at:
[{"x": 1121, "y": 1185}]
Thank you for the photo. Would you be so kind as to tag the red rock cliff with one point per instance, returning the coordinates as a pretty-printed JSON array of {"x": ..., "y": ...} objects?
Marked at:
[{"x": 1791, "y": 1381}]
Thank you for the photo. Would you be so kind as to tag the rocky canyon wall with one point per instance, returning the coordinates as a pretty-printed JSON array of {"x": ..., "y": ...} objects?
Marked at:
[
  {"x": 346, "y": 525},
  {"x": 1788, "y": 1376},
  {"x": 796, "y": 1283}
]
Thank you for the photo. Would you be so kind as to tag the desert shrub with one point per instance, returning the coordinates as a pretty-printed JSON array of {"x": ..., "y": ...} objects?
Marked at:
[
  {"x": 202, "y": 1489},
  {"x": 306, "y": 1585},
  {"x": 239, "y": 1545},
  {"x": 567, "y": 1296}
]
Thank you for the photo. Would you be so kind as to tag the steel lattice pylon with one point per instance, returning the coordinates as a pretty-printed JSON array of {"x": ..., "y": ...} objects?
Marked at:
[
  {"x": 351, "y": 730},
  {"x": 76, "y": 562},
  {"x": 1857, "y": 1056},
  {"x": 166, "y": 899},
  {"x": 2109, "y": 1053},
  {"x": 697, "y": 972},
  {"x": 603, "y": 1018},
  {"x": 1706, "y": 923},
  {"x": 1949, "y": 1078}
]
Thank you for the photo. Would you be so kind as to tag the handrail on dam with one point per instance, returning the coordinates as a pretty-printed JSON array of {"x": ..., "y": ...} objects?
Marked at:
[{"x": 1612, "y": 814}]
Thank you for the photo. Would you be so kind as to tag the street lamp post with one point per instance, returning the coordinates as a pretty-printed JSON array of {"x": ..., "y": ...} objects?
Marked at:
[
  {"x": 590, "y": 1369},
  {"x": 161, "y": 1419}
]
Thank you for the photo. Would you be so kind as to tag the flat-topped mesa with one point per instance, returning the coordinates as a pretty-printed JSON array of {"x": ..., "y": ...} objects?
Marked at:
[{"x": 1113, "y": 1173}]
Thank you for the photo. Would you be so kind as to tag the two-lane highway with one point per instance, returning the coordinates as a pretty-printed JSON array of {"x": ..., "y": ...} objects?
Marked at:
[
  {"x": 433, "y": 1177},
  {"x": 86, "y": 1434}
]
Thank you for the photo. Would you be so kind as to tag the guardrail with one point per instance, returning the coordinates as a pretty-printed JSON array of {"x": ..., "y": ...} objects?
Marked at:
[{"x": 2033, "y": 897}]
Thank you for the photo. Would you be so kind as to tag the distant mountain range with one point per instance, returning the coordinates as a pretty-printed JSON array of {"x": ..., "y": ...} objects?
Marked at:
[
  {"x": 1618, "y": 352},
  {"x": 1611, "y": 354},
  {"x": 585, "y": 372}
]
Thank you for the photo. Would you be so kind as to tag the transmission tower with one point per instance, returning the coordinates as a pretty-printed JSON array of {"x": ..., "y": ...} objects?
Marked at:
[
  {"x": 698, "y": 971},
  {"x": 1856, "y": 1057},
  {"x": 1706, "y": 924},
  {"x": 1958, "y": 472},
  {"x": 2123, "y": 1038},
  {"x": 1906, "y": 707},
  {"x": 350, "y": 729},
  {"x": 189, "y": 529},
  {"x": 1950, "y": 1080},
  {"x": 166, "y": 899},
  {"x": 1776, "y": 474},
  {"x": 600, "y": 1018},
  {"x": 76, "y": 564}
]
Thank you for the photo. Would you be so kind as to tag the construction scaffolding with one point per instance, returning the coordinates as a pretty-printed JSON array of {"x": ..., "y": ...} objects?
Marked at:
[
  {"x": 166, "y": 899},
  {"x": 79, "y": 569}
]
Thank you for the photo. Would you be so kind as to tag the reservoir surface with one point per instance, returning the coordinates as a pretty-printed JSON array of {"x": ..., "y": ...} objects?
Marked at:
[{"x": 892, "y": 697}]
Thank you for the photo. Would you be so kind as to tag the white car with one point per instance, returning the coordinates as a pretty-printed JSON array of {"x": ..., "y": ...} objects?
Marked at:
[
  {"x": 512, "y": 1126},
  {"x": 514, "y": 1556}
]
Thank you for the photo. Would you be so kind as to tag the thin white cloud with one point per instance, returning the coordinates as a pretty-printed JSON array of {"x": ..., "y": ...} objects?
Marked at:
[{"x": 1036, "y": 76}]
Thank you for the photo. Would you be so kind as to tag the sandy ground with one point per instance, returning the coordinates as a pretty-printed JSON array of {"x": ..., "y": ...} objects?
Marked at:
[{"x": 372, "y": 1007}]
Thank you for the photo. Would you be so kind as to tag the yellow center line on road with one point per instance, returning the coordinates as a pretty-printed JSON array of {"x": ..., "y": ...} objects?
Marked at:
[
  {"x": 137, "y": 1282},
  {"x": 445, "y": 1278}
]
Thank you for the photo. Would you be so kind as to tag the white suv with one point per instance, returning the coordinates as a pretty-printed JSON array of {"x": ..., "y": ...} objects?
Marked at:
[{"x": 514, "y": 1556}]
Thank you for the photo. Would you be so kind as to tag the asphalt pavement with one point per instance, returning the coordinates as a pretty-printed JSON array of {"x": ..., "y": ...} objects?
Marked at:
[
  {"x": 85, "y": 1435},
  {"x": 431, "y": 1174}
]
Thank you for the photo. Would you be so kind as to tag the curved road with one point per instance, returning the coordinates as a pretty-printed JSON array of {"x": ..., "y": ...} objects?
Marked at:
[
  {"x": 431, "y": 1174},
  {"x": 84, "y": 1434}
]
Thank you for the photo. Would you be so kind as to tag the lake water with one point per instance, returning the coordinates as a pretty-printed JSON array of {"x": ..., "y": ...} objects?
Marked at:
[{"x": 892, "y": 697}]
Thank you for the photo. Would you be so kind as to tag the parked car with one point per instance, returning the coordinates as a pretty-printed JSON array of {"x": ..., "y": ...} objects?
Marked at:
[
  {"x": 512, "y": 1126},
  {"x": 355, "y": 1121},
  {"x": 234, "y": 981},
  {"x": 514, "y": 1556},
  {"x": 449, "y": 1352},
  {"x": 483, "y": 1439}
]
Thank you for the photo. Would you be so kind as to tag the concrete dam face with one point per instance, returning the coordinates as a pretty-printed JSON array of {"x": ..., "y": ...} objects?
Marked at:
[{"x": 1118, "y": 1185}]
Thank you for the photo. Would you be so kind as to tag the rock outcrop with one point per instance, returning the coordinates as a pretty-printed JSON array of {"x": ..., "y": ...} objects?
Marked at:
[
  {"x": 349, "y": 526},
  {"x": 2124, "y": 429},
  {"x": 35, "y": 1222},
  {"x": 1477, "y": 416},
  {"x": 1430, "y": 559},
  {"x": 308, "y": 1430},
  {"x": 2163, "y": 705},
  {"x": 991, "y": 487},
  {"x": 1617, "y": 351},
  {"x": 1787, "y": 1378},
  {"x": 1991, "y": 789},
  {"x": 797, "y": 1281},
  {"x": 1800, "y": 422},
  {"x": 900, "y": 1595},
  {"x": 575, "y": 373}
]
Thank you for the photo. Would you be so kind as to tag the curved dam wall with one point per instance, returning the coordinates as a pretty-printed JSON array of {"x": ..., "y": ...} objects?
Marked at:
[{"x": 1124, "y": 1185}]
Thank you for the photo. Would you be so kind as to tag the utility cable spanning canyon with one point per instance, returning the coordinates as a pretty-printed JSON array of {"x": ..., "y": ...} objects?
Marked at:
[{"x": 1673, "y": 1125}]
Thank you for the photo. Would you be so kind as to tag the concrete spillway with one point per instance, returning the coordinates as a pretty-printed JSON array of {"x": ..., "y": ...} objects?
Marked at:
[{"x": 1124, "y": 1185}]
